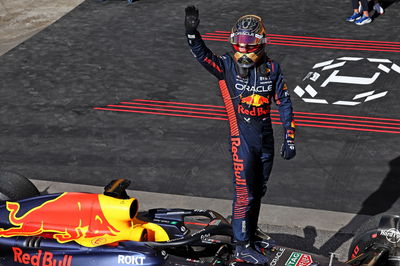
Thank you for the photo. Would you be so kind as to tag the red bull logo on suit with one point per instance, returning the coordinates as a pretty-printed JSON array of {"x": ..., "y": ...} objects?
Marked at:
[{"x": 254, "y": 105}]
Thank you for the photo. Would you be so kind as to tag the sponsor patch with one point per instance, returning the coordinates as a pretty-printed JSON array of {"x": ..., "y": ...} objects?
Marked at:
[
  {"x": 42, "y": 258},
  {"x": 136, "y": 260},
  {"x": 392, "y": 235},
  {"x": 279, "y": 253},
  {"x": 299, "y": 259}
]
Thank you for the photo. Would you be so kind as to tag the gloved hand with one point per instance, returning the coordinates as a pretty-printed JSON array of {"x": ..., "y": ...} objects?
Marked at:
[
  {"x": 288, "y": 149},
  {"x": 191, "y": 19}
]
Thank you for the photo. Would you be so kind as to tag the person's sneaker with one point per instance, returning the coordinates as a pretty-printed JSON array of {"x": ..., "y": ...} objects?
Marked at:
[
  {"x": 247, "y": 254},
  {"x": 353, "y": 17},
  {"x": 379, "y": 9},
  {"x": 363, "y": 20}
]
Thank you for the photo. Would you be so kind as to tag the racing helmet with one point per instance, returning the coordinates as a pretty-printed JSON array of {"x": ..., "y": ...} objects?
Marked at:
[{"x": 248, "y": 39}]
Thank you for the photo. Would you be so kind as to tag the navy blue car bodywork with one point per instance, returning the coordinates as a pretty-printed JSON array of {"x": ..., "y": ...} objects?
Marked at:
[{"x": 196, "y": 237}]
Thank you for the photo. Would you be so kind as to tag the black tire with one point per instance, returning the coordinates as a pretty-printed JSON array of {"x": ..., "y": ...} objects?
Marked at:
[
  {"x": 15, "y": 187},
  {"x": 371, "y": 232}
]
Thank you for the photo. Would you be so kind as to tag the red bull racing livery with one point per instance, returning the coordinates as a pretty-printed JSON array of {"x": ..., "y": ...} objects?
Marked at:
[
  {"x": 75, "y": 229},
  {"x": 50, "y": 217}
]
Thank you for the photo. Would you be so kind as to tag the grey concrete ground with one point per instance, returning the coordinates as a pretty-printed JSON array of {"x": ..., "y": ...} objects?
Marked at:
[{"x": 21, "y": 19}]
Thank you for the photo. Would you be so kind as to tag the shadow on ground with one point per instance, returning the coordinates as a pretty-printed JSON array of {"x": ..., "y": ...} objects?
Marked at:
[{"x": 377, "y": 203}]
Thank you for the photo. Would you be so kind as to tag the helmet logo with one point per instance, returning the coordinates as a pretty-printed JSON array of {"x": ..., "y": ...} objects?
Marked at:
[{"x": 248, "y": 23}]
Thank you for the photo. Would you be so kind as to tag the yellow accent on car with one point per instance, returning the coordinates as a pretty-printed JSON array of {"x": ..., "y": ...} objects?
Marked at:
[{"x": 121, "y": 214}]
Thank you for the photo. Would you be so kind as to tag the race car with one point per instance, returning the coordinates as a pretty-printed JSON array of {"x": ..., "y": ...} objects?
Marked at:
[{"x": 71, "y": 228}]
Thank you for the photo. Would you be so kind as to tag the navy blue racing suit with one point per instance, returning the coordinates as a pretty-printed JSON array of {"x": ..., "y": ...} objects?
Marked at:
[{"x": 248, "y": 103}]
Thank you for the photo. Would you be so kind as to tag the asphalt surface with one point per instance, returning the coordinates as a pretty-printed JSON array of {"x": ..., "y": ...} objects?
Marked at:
[{"x": 106, "y": 53}]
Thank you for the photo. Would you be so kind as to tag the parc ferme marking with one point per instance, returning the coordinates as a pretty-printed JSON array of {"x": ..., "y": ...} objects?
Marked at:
[{"x": 308, "y": 92}]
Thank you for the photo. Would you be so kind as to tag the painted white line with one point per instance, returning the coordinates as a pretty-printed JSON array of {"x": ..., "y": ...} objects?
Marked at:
[
  {"x": 307, "y": 76},
  {"x": 299, "y": 91},
  {"x": 377, "y": 60},
  {"x": 311, "y": 91},
  {"x": 348, "y": 103},
  {"x": 334, "y": 65},
  {"x": 362, "y": 95},
  {"x": 323, "y": 64},
  {"x": 396, "y": 68},
  {"x": 384, "y": 68},
  {"x": 315, "y": 76},
  {"x": 350, "y": 79},
  {"x": 270, "y": 214},
  {"x": 350, "y": 58},
  {"x": 309, "y": 100},
  {"x": 376, "y": 96}
]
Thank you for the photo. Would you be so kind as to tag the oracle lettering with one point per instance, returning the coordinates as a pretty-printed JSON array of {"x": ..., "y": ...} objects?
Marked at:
[{"x": 241, "y": 87}]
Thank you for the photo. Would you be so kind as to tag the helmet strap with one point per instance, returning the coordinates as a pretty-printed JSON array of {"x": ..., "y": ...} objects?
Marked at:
[
  {"x": 263, "y": 67},
  {"x": 243, "y": 72}
]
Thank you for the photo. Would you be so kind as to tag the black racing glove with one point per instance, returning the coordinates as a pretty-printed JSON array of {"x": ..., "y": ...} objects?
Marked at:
[
  {"x": 191, "y": 19},
  {"x": 288, "y": 149}
]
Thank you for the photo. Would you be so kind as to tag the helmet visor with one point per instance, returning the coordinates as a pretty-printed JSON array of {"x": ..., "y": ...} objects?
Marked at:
[
  {"x": 246, "y": 38},
  {"x": 246, "y": 48}
]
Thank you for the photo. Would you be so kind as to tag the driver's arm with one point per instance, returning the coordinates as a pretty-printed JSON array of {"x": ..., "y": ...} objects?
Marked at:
[
  {"x": 282, "y": 100},
  {"x": 205, "y": 56}
]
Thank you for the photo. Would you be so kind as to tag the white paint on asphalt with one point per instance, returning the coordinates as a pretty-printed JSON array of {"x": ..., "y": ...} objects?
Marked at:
[
  {"x": 348, "y": 103},
  {"x": 376, "y": 96},
  {"x": 384, "y": 68},
  {"x": 311, "y": 91},
  {"x": 309, "y": 100},
  {"x": 321, "y": 64},
  {"x": 299, "y": 91},
  {"x": 396, "y": 68},
  {"x": 379, "y": 60},
  {"x": 340, "y": 64},
  {"x": 363, "y": 95},
  {"x": 350, "y": 58}
]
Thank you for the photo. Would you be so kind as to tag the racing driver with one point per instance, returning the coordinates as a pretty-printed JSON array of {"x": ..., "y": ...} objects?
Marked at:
[{"x": 248, "y": 81}]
